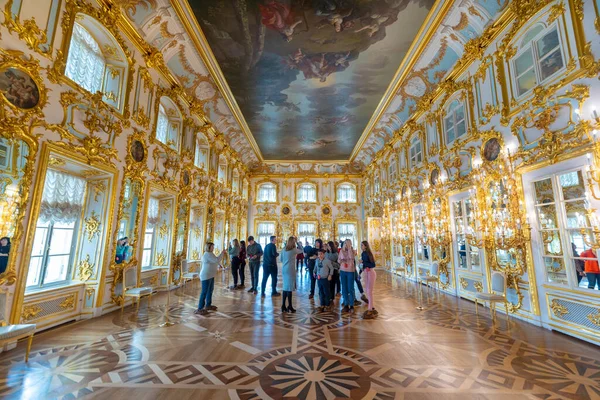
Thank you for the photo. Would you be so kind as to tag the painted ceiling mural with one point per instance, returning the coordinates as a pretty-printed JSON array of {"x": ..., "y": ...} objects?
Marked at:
[{"x": 308, "y": 74}]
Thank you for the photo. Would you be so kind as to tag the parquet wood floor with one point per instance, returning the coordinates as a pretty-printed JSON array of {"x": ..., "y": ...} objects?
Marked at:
[{"x": 250, "y": 350}]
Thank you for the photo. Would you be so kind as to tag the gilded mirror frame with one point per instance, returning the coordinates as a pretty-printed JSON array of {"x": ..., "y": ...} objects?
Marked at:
[
  {"x": 18, "y": 124},
  {"x": 135, "y": 172}
]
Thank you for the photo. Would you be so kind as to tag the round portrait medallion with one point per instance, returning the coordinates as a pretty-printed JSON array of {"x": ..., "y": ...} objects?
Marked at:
[
  {"x": 137, "y": 151},
  {"x": 491, "y": 149},
  {"x": 326, "y": 210},
  {"x": 285, "y": 210},
  {"x": 434, "y": 177},
  {"x": 18, "y": 88},
  {"x": 186, "y": 177}
]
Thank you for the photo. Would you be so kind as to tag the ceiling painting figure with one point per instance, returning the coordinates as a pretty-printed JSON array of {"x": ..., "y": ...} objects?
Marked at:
[{"x": 308, "y": 74}]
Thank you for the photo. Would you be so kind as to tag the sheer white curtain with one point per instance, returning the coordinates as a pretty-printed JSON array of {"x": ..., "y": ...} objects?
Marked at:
[
  {"x": 62, "y": 200},
  {"x": 85, "y": 63},
  {"x": 306, "y": 229},
  {"x": 153, "y": 216},
  {"x": 346, "y": 194},
  {"x": 162, "y": 125},
  {"x": 307, "y": 193},
  {"x": 267, "y": 193}
]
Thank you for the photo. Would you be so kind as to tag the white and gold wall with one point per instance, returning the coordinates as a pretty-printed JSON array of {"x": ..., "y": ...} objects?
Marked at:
[
  {"x": 496, "y": 169},
  {"x": 140, "y": 136}
]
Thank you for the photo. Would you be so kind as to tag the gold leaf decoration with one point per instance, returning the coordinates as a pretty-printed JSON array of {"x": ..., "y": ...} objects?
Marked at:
[
  {"x": 594, "y": 318},
  {"x": 463, "y": 283},
  {"x": 478, "y": 286},
  {"x": 92, "y": 226},
  {"x": 163, "y": 230},
  {"x": 30, "y": 312},
  {"x": 86, "y": 269},
  {"x": 161, "y": 259},
  {"x": 558, "y": 309},
  {"x": 68, "y": 302}
]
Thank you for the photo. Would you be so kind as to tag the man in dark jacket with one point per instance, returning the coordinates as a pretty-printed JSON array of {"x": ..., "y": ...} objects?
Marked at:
[
  {"x": 254, "y": 251},
  {"x": 270, "y": 268}
]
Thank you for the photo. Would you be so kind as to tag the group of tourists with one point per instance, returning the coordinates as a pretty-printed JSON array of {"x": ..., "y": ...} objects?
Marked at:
[{"x": 333, "y": 270}]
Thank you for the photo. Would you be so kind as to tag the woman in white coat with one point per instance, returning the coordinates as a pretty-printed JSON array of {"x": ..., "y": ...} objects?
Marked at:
[{"x": 210, "y": 266}]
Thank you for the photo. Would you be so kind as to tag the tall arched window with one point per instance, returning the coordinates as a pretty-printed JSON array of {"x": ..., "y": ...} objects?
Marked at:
[
  {"x": 202, "y": 148},
  {"x": 306, "y": 193},
  {"x": 168, "y": 123},
  {"x": 455, "y": 124},
  {"x": 96, "y": 62},
  {"x": 235, "y": 181},
  {"x": 85, "y": 64},
  {"x": 416, "y": 151},
  {"x": 266, "y": 193},
  {"x": 222, "y": 172},
  {"x": 540, "y": 56},
  {"x": 346, "y": 193}
]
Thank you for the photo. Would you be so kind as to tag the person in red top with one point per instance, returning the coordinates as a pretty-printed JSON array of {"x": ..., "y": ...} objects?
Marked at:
[{"x": 591, "y": 268}]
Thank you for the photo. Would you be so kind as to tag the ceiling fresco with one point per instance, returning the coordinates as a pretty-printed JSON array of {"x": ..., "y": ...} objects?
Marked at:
[{"x": 308, "y": 74}]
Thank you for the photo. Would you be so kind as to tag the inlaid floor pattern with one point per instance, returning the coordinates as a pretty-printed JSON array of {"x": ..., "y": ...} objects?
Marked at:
[{"x": 248, "y": 349}]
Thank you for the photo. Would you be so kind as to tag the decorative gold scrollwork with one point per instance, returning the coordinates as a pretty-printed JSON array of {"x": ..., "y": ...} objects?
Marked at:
[
  {"x": 30, "y": 312},
  {"x": 68, "y": 303},
  {"x": 558, "y": 309},
  {"x": 86, "y": 269}
]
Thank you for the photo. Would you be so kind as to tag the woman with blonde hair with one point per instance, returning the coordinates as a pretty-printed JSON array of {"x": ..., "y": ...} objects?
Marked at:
[
  {"x": 288, "y": 272},
  {"x": 369, "y": 276},
  {"x": 347, "y": 270},
  {"x": 210, "y": 266}
]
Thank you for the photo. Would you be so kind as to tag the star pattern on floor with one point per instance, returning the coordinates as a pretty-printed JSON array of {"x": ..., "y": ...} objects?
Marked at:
[{"x": 250, "y": 350}]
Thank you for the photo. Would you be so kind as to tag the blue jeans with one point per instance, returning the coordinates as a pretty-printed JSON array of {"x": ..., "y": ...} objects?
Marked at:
[
  {"x": 324, "y": 295},
  {"x": 269, "y": 270},
  {"x": 593, "y": 279},
  {"x": 347, "y": 279},
  {"x": 254, "y": 271},
  {"x": 208, "y": 286}
]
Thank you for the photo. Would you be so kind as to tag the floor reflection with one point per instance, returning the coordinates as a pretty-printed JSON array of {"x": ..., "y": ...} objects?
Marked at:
[{"x": 249, "y": 350}]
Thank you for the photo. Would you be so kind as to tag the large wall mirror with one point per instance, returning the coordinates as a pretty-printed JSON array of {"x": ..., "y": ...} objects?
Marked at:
[{"x": 16, "y": 162}]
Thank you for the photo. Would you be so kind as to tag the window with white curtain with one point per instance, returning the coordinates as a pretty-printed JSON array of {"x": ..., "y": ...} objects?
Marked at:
[
  {"x": 162, "y": 125},
  {"x": 347, "y": 231},
  {"x": 539, "y": 57},
  {"x": 265, "y": 231},
  {"x": 168, "y": 124},
  {"x": 56, "y": 230},
  {"x": 307, "y": 232},
  {"x": 455, "y": 124},
  {"x": 201, "y": 159},
  {"x": 306, "y": 193},
  {"x": 152, "y": 219},
  {"x": 346, "y": 193},
  {"x": 416, "y": 152},
  {"x": 85, "y": 63},
  {"x": 392, "y": 171},
  {"x": 267, "y": 193}
]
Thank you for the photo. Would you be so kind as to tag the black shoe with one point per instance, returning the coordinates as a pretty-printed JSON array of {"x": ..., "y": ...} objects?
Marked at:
[
  {"x": 357, "y": 303},
  {"x": 262, "y": 295},
  {"x": 291, "y": 309},
  {"x": 346, "y": 309},
  {"x": 364, "y": 298},
  {"x": 311, "y": 296},
  {"x": 276, "y": 294},
  {"x": 283, "y": 309},
  {"x": 251, "y": 290},
  {"x": 256, "y": 291}
]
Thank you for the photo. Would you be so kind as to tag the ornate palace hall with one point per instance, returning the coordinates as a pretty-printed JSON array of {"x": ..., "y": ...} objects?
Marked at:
[
  {"x": 246, "y": 350},
  {"x": 441, "y": 156}
]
